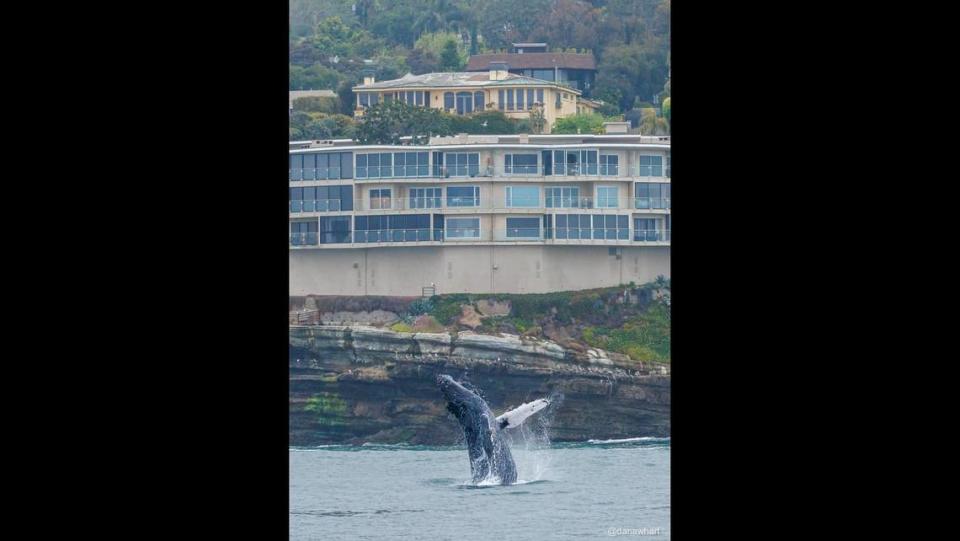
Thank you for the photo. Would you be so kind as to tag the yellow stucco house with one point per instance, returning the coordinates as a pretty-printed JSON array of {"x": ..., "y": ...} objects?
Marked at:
[{"x": 466, "y": 92}]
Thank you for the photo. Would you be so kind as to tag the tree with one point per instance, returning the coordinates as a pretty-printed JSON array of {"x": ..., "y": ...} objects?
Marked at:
[
  {"x": 666, "y": 109},
  {"x": 581, "y": 123},
  {"x": 450, "y": 58},
  {"x": 386, "y": 122},
  {"x": 537, "y": 120}
]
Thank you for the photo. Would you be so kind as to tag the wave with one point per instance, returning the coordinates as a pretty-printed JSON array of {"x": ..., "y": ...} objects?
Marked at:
[{"x": 630, "y": 440}]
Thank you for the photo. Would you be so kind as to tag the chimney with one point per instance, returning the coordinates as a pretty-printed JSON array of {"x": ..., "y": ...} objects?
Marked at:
[
  {"x": 498, "y": 71},
  {"x": 368, "y": 77}
]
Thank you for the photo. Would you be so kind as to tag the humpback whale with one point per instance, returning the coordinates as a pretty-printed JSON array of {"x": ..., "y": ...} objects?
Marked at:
[{"x": 489, "y": 453}]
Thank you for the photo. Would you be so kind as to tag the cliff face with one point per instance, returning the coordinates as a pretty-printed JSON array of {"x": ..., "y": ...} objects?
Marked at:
[{"x": 363, "y": 384}]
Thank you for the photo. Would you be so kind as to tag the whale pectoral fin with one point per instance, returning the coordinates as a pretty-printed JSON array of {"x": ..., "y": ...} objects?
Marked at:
[{"x": 517, "y": 416}]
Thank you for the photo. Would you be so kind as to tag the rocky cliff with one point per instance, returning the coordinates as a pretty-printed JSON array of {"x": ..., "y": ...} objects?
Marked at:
[{"x": 365, "y": 384}]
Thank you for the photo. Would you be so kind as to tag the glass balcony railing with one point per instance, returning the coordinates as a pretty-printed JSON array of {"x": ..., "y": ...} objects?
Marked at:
[
  {"x": 457, "y": 235},
  {"x": 315, "y": 205},
  {"x": 651, "y": 202},
  {"x": 420, "y": 172}
]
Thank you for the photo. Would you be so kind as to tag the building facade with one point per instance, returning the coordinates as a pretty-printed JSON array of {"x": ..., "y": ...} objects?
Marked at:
[
  {"x": 576, "y": 70},
  {"x": 481, "y": 214},
  {"x": 464, "y": 93}
]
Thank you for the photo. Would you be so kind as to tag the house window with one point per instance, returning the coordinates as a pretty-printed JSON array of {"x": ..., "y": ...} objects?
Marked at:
[
  {"x": 462, "y": 228},
  {"x": 523, "y": 196},
  {"x": 448, "y": 102},
  {"x": 607, "y": 197},
  {"x": 303, "y": 233},
  {"x": 501, "y": 101},
  {"x": 563, "y": 197},
  {"x": 609, "y": 164},
  {"x": 645, "y": 229},
  {"x": 364, "y": 99},
  {"x": 321, "y": 166},
  {"x": 335, "y": 230},
  {"x": 592, "y": 226},
  {"x": 425, "y": 198},
  {"x": 478, "y": 101},
  {"x": 529, "y": 99},
  {"x": 651, "y": 195},
  {"x": 510, "y": 99},
  {"x": 321, "y": 199},
  {"x": 520, "y": 164},
  {"x": 540, "y": 95},
  {"x": 380, "y": 198},
  {"x": 575, "y": 162},
  {"x": 519, "y": 99},
  {"x": 411, "y": 164},
  {"x": 463, "y": 196},
  {"x": 651, "y": 166},
  {"x": 523, "y": 228},
  {"x": 464, "y": 103},
  {"x": 395, "y": 228},
  {"x": 461, "y": 164}
]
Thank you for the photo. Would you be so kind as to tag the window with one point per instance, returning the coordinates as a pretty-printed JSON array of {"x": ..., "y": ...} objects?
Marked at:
[
  {"x": 364, "y": 99},
  {"x": 523, "y": 228},
  {"x": 463, "y": 196},
  {"x": 321, "y": 166},
  {"x": 478, "y": 101},
  {"x": 464, "y": 103},
  {"x": 448, "y": 102},
  {"x": 523, "y": 196},
  {"x": 396, "y": 228},
  {"x": 321, "y": 199},
  {"x": 651, "y": 195},
  {"x": 592, "y": 226},
  {"x": 651, "y": 166},
  {"x": 381, "y": 165},
  {"x": 668, "y": 165},
  {"x": 609, "y": 164},
  {"x": 410, "y": 164},
  {"x": 303, "y": 233},
  {"x": 425, "y": 198},
  {"x": 380, "y": 198},
  {"x": 462, "y": 228},
  {"x": 543, "y": 75},
  {"x": 462, "y": 164},
  {"x": 520, "y": 164},
  {"x": 335, "y": 230},
  {"x": 510, "y": 99},
  {"x": 575, "y": 162},
  {"x": 558, "y": 105},
  {"x": 540, "y": 94},
  {"x": 520, "y": 99},
  {"x": 529, "y": 99},
  {"x": 645, "y": 229},
  {"x": 501, "y": 101},
  {"x": 563, "y": 197},
  {"x": 607, "y": 197}
]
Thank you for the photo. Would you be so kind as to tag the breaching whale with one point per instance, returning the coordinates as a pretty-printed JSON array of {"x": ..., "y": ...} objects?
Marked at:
[{"x": 489, "y": 453}]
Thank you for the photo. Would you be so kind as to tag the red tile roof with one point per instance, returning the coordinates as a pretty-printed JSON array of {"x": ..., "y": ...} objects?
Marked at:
[{"x": 481, "y": 62}]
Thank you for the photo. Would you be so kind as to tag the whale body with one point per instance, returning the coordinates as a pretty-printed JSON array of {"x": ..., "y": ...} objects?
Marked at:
[{"x": 490, "y": 457}]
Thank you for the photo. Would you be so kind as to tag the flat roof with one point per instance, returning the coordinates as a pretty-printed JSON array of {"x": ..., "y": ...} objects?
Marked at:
[{"x": 456, "y": 79}]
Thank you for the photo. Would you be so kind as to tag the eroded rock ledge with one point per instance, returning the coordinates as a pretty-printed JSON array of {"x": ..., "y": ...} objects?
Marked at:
[{"x": 358, "y": 384}]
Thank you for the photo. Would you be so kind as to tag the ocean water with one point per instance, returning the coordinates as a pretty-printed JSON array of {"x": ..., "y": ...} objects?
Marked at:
[{"x": 617, "y": 488}]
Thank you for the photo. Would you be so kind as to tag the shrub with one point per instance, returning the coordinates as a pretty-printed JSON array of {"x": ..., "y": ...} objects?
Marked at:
[{"x": 420, "y": 306}]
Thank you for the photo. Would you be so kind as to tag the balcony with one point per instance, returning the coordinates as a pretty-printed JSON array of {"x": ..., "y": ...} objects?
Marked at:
[
  {"x": 475, "y": 204},
  {"x": 298, "y": 206},
  {"x": 440, "y": 236},
  {"x": 422, "y": 172}
]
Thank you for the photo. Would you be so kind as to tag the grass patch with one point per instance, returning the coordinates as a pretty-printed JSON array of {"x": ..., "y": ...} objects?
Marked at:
[
  {"x": 645, "y": 337},
  {"x": 401, "y": 327}
]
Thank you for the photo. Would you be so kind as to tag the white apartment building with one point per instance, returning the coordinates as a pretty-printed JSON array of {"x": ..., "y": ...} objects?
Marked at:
[{"x": 479, "y": 213}]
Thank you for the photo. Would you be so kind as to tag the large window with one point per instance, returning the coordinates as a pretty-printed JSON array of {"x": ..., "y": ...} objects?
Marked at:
[
  {"x": 651, "y": 195},
  {"x": 380, "y": 198},
  {"x": 575, "y": 162},
  {"x": 563, "y": 197},
  {"x": 523, "y": 196},
  {"x": 520, "y": 164},
  {"x": 592, "y": 226},
  {"x": 303, "y": 233},
  {"x": 394, "y": 228},
  {"x": 321, "y": 199},
  {"x": 464, "y": 103},
  {"x": 645, "y": 229},
  {"x": 460, "y": 164},
  {"x": 651, "y": 166},
  {"x": 335, "y": 230},
  {"x": 607, "y": 197},
  {"x": 609, "y": 164},
  {"x": 448, "y": 101},
  {"x": 520, "y": 99},
  {"x": 395, "y": 164},
  {"x": 523, "y": 228},
  {"x": 510, "y": 99},
  {"x": 321, "y": 166},
  {"x": 463, "y": 196},
  {"x": 501, "y": 100},
  {"x": 462, "y": 228},
  {"x": 530, "y": 99},
  {"x": 425, "y": 198},
  {"x": 478, "y": 101}
]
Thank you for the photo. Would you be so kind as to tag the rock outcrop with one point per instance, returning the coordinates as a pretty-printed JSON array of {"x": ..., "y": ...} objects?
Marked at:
[{"x": 365, "y": 384}]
